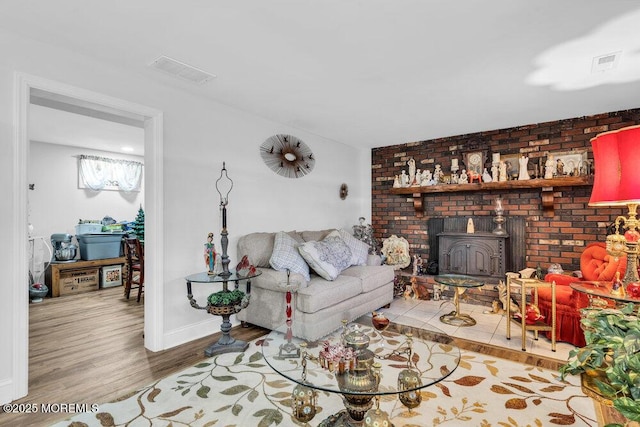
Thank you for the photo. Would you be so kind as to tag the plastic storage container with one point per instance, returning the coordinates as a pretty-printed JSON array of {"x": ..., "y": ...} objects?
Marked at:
[
  {"x": 99, "y": 246},
  {"x": 88, "y": 228}
]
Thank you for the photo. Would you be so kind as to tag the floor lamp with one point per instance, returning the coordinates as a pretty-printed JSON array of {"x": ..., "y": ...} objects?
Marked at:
[{"x": 617, "y": 183}]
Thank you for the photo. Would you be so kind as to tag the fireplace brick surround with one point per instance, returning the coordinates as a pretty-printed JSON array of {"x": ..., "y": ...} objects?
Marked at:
[{"x": 560, "y": 238}]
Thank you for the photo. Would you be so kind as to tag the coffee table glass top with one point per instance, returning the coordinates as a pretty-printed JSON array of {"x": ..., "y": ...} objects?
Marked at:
[
  {"x": 435, "y": 357},
  {"x": 602, "y": 290}
]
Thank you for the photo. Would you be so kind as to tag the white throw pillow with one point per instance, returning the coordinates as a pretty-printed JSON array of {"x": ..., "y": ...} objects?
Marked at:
[
  {"x": 285, "y": 256},
  {"x": 328, "y": 257},
  {"x": 359, "y": 249}
]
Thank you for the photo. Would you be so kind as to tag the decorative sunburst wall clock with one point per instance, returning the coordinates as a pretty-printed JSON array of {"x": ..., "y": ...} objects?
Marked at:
[{"x": 287, "y": 155}]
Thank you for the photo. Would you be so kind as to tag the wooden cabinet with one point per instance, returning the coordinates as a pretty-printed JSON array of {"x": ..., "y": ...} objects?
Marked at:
[
  {"x": 472, "y": 254},
  {"x": 75, "y": 277}
]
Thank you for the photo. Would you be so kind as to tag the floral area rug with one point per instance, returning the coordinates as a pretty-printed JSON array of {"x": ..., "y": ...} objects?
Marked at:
[{"x": 240, "y": 389}]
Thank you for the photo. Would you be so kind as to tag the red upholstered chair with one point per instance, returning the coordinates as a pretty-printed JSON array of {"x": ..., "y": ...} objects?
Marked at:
[{"x": 596, "y": 265}]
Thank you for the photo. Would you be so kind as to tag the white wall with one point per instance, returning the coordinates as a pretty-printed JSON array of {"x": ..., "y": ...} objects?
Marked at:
[
  {"x": 56, "y": 203},
  {"x": 198, "y": 136}
]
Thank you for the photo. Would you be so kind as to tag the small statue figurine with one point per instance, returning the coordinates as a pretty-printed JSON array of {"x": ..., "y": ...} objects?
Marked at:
[
  {"x": 523, "y": 174},
  {"x": 463, "y": 179},
  {"x": 549, "y": 166},
  {"x": 396, "y": 182},
  {"x": 438, "y": 174},
  {"x": 559, "y": 167},
  {"x": 412, "y": 170},
  {"x": 210, "y": 255},
  {"x": 617, "y": 288},
  {"x": 494, "y": 173},
  {"x": 503, "y": 171},
  {"x": 404, "y": 179},
  {"x": 418, "y": 178},
  {"x": 486, "y": 177},
  {"x": 426, "y": 178}
]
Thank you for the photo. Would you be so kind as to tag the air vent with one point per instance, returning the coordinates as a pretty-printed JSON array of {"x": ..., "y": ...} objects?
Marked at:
[
  {"x": 181, "y": 70},
  {"x": 605, "y": 62}
]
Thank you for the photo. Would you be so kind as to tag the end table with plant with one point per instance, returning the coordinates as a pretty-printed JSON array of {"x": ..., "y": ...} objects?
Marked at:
[{"x": 611, "y": 357}]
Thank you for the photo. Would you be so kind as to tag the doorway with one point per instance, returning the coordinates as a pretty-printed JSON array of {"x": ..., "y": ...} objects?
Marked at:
[{"x": 152, "y": 119}]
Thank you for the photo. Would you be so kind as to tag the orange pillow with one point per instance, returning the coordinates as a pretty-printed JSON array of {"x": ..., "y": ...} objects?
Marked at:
[{"x": 597, "y": 264}]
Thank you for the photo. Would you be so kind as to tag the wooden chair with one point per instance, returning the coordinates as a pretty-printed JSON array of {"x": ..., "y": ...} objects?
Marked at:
[{"x": 134, "y": 252}]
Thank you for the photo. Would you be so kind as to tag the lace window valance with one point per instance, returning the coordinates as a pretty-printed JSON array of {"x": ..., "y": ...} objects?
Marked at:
[{"x": 103, "y": 173}]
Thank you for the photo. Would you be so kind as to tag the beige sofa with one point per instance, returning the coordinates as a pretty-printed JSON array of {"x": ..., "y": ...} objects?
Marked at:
[{"x": 321, "y": 303}]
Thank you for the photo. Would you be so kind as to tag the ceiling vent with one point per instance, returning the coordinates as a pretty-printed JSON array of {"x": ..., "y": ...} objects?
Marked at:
[
  {"x": 181, "y": 70},
  {"x": 605, "y": 62}
]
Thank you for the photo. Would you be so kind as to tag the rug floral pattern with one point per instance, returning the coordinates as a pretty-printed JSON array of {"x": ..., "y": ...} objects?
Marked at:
[{"x": 240, "y": 389}]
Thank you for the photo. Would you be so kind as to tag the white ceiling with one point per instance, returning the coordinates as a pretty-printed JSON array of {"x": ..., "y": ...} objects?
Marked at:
[{"x": 367, "y": 73}]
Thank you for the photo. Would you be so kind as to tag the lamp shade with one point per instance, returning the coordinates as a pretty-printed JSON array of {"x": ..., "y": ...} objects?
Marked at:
[{"x": 617, "y": 167}]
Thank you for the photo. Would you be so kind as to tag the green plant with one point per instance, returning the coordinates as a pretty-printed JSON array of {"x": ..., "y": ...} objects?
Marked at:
[
  {"x": 226, "y": 297},
  {"x": 613, "y": 347}
]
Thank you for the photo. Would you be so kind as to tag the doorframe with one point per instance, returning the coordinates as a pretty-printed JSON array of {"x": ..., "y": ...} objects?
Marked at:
[{"x": 154, "y": 220}]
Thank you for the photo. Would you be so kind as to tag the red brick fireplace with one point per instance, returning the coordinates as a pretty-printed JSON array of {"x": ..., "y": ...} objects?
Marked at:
[{"x": 559, "y": 237}]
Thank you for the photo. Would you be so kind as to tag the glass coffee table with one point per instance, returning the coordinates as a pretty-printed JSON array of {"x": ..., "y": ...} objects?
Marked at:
[
  {"x": 361, "y": 364},
  {"x": 460, "y": 283}
]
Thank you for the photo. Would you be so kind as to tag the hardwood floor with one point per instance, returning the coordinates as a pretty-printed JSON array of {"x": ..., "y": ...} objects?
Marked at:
[{"x": 88, "y": 348}]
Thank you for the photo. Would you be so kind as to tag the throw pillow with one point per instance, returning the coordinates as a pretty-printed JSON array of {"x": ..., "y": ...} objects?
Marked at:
[
  {"x": 359, "y": 249},
  {"x": 328, "y": 257},
  {"x": 285, "y": 256}
]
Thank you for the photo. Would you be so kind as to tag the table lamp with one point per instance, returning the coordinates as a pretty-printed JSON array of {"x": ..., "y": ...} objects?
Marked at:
[{"x": 617, "y": 183}]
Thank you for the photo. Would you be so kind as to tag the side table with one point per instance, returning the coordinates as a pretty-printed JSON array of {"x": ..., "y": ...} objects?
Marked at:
[
  {"x": 539, "y": 325},
  {"x": 459, "y": 283},
  {"x": 226, "y": 343}
]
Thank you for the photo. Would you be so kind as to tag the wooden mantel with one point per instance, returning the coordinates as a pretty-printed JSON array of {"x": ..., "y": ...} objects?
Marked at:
[{"x": 546, "y": 189}]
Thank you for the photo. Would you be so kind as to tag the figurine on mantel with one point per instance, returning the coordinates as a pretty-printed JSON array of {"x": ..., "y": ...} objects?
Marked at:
[
  {"x": 486, "y": 177},
  {"x": 464, "y": 179},
  {"x": 454, "y": 166},
  {"x": 438, "y": 174},
  {"x": 494, "y": 172},
  {"x": 549, "y": 167},
  {"x": 426, "y": 178},
  {"x": 396, "y": 182},
  {"x": 418, "y": 179},
  {"x": 523, "y": 172},
  {"x": 503, "y": 171},
  {"x": 412, "y": 170},
  {"x": 404, "y": 179}
]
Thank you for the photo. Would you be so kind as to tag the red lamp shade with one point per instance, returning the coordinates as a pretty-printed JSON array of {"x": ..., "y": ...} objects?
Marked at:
[{"x": 617, "y": 167}]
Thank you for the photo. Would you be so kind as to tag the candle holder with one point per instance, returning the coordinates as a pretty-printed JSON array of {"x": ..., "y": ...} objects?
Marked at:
[
  {"x": 499, "y": 219},
  {"x": 289, "y": 349}
]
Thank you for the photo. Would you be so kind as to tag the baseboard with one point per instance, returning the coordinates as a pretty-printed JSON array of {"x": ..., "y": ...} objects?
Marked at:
[
  {"x": 194, "y": 331},
  {"x": 6, "y": 391}
]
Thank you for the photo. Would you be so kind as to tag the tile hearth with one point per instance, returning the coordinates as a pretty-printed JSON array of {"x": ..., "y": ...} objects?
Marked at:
[{"x": 489, "y": 329}]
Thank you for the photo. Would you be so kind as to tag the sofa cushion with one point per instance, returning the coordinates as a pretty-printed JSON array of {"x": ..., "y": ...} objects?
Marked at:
[
  {"x": 285, "y": 255},
  {"x": 327, "y": 257},
  {"x": 258, "y": 247},
  {"x": 314, "y": 236},
  {"x": 371, "y": 276},
  {"x": 321, "y": 293},
  {"x": 359, "y": 249}
]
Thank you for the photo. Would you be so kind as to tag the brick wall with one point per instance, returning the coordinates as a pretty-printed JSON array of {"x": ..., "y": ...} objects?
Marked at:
[{"x": 557, "y": 239}]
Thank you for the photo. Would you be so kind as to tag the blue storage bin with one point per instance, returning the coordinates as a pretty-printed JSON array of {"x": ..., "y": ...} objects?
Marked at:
[{"x": 100, "y": 246}]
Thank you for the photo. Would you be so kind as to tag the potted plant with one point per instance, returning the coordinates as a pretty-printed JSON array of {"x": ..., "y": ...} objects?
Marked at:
[
  {"x": 611, "y": 357},
  {"x": 224, "y": 298}
]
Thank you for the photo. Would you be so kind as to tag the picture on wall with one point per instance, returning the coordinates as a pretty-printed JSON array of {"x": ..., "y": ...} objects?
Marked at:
[
  {"x": 571, "y": 163},
  {"x": 513, "y": 166}
]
